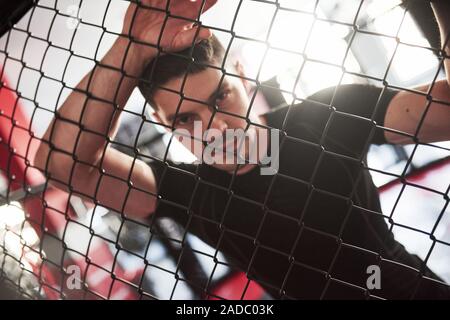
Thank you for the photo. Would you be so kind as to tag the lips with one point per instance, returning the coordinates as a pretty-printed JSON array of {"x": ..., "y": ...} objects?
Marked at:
[
  {"x": 230, "y": 148},
  {"x": 233, "y": 147}
]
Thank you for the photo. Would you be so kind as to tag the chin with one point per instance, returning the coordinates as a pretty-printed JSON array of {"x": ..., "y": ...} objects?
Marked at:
[
  {"x": 231, "y": 168},
  {"x": 225, "y": 167}
]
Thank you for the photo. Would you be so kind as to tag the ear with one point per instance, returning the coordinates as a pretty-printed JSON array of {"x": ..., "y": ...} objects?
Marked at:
[
  {"x": 241, "y": 72},
  {"x": 157, "y": 117}
]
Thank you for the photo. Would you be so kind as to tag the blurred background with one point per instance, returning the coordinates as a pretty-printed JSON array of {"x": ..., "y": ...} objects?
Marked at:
[{"x": 292, "y": 48}]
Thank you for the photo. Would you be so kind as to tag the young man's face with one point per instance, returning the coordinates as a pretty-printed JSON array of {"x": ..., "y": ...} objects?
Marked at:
[{"x": 208, "y": 89}]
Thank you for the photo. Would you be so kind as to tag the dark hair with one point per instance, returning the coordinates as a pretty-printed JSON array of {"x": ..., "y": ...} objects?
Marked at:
[{"x": 161, "y": 70}]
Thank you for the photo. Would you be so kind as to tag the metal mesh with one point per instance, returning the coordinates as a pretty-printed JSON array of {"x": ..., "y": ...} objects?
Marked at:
[{"x": 58, "y": 245}]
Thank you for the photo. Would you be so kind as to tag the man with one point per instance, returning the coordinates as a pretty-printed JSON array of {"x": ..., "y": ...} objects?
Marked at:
[{"x": 309, "y": 231}]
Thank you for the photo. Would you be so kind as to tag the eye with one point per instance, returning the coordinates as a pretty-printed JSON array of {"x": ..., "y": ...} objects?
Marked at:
[
  {"x": 222, "y": 96},
  {"x": 184, "y": 120}
]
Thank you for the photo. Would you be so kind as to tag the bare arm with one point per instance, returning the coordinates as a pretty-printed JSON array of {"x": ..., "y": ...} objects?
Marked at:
[
  {"x": 407, "y": 109},
  {"x": 75, "y": 150}
]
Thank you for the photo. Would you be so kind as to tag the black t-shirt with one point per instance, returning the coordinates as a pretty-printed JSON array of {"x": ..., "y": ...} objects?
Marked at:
[{"x": 312, "y": 230}]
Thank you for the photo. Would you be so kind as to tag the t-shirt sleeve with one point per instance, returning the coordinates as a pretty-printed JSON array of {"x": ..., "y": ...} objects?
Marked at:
[{"x": 345, "y": 119}]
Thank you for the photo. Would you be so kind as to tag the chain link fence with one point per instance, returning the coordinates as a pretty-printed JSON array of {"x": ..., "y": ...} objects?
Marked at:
[{"x": 350, "y": 206}]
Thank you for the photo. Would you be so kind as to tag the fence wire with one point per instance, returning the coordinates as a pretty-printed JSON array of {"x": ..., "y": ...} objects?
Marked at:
[{"x": 255, "y": 238}]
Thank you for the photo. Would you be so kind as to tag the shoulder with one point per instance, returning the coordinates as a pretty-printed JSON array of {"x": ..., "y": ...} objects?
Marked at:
[
  {"x": 342, "y": 96},
  {"x": 362, "y": 100},
  {"x": 312, "y": 111},
  {"x": 343, "y": 115}
]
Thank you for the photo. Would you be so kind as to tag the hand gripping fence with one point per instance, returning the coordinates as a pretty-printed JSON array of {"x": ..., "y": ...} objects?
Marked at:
[{"x": 58, "y": 243}]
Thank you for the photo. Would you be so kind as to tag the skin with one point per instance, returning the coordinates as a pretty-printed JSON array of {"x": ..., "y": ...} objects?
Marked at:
[
  {"x": 229, "y": 95},
  {"x": 83, "y": 162},
  {"x": 407, "y": 108}
]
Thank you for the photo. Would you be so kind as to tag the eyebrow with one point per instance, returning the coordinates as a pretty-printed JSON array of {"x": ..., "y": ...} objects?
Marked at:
[
  {"x": 210, "y": 99},
  {"x": 178, "y": 115}
]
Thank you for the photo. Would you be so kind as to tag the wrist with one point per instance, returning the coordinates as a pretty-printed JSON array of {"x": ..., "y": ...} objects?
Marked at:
[{"x": 134, "y": 56}]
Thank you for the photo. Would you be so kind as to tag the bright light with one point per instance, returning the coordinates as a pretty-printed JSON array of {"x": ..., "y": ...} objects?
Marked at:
[
  {"x": 379, "y": 7},
  {"x": 17, "y": 235},
  {"x": 289, "y": 42},
  {"x": 11, "y": 215}
]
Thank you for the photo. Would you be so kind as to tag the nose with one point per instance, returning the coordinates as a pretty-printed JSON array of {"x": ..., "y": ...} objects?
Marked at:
[{"x": 218, "y": 122}]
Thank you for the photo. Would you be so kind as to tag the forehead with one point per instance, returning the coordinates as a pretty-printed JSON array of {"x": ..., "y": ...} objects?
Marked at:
[{"x": 199, "y": 86}]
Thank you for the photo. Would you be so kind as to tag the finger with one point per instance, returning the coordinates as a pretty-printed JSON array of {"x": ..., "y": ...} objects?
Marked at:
[
  {"x": 190, "y": 8},
  {"x": 186, "y": 38},
  {"x": 204, "y": 34},
  {"x": 157, "y": 4}
]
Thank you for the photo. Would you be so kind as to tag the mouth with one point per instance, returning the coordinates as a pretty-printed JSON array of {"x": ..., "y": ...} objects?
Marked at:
[
  {"x": 233, "y": 147},
  {"x": 226, "y": 149}
]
